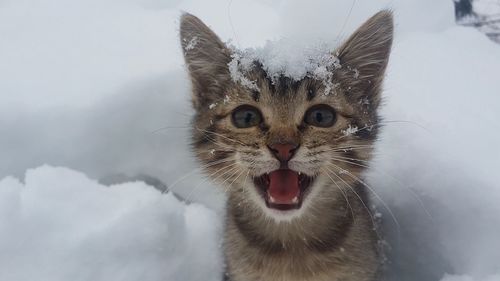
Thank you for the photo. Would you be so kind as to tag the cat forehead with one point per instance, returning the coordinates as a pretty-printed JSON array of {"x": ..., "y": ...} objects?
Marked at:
[{"x": 259, "y": 82}]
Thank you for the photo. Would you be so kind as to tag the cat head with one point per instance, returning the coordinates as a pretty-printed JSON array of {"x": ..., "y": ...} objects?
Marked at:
[{"x": 280, "y": 146}]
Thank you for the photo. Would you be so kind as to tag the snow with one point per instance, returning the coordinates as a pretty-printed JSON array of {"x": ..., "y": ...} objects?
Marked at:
[
  {"x": 487, "y": 7},
  {"x": 238, "y": 68},
  {"x": 61, "y": 225},
  {"x": 350, "y": 130},
  {"x": 286, "y": 58},
  {"x": 191, "y": 44},
  {"x": 99, "y": 87},
  {"x": 439, "y": 141}
]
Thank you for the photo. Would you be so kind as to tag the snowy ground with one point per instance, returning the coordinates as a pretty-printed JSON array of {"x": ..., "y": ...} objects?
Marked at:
[{"x": 99, "y": 87}]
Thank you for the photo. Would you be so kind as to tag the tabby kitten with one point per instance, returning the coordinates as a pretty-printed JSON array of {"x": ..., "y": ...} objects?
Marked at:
[{"x": 290, "y": 155}]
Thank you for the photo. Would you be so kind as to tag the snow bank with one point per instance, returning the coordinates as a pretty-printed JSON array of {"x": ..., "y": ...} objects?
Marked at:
[
  {"x": 61, "y": 225},
  {"x": 438, "y": 155}
]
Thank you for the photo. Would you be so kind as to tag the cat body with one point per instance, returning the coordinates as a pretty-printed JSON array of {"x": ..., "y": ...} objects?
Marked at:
[{"x": 290, "y": 154}]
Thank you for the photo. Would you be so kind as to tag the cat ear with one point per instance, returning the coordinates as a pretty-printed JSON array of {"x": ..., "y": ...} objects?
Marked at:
[
  {"x": 206, "y": 57},
  {"x": 364, "y": 56}
]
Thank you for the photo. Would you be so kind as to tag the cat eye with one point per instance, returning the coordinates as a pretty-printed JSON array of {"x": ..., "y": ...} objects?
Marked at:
[
  {"x": 320, "y": 115},
  {"x": 246, "y": 116}
]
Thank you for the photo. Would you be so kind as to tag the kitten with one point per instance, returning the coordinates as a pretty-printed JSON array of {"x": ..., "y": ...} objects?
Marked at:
[{"x": 291, "y": 156}]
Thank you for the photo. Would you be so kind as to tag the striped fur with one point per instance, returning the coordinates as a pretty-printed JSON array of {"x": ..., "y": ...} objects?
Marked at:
[{"x": 332, "y": 237}]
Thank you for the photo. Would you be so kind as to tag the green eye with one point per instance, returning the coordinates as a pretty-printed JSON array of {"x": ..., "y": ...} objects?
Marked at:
[
  {"x": 246, "y": 116},
  {"x": 321, "y": 115}
]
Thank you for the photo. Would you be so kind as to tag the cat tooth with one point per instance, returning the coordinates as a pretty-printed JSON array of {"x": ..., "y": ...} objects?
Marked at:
[
  {"x": 271, "y": 199},
  {"x": 295, "y": 200},
  {"x": 300, "y": 174}
]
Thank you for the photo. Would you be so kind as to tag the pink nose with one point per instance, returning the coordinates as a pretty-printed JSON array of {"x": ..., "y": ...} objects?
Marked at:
[{"x": 283, "y": 151}]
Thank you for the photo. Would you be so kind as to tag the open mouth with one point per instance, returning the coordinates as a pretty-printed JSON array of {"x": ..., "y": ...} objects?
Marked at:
[{"x": 283, "y": 189}]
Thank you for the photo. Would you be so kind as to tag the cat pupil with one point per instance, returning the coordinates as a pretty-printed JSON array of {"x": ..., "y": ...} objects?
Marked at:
[
  {"x": 248, "y": 117},
  {"x": 319, "y": 117}
]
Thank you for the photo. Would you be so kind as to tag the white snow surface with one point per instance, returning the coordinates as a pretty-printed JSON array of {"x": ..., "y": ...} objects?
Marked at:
[
  {"x": 487, "y": 8},
  {"x": 286, "y": 58},
  {"x": 99, "y": 87},
  {"x": 289, "y": 58},
  {"x": 61, "y": 225}
]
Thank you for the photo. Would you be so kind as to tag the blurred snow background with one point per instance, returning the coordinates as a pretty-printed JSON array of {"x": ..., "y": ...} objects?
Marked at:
[
  {"x": 481, "y": 14},
  {"x": 99, "y": 87}
]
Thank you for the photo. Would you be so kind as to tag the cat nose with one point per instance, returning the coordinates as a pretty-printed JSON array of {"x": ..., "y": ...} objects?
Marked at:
[{"x": 283, "y": 151}]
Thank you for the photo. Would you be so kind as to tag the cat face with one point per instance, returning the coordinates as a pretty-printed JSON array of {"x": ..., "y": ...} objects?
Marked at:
[{"x": 276, "y": 145}]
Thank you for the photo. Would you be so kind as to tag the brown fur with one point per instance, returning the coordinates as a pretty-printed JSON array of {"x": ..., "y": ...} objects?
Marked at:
[{"x": 333, "y": 238}]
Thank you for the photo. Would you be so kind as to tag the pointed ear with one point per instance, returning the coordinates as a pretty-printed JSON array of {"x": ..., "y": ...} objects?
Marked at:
[
  {"x": 364, "y": 56},
  {"x": 206, "y": 57}
]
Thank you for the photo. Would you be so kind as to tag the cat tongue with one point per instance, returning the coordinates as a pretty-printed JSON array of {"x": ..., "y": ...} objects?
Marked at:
[{"x": 283, "y": 186}]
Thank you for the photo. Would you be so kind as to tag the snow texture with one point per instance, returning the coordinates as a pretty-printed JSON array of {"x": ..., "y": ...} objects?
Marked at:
[
  {"x": 350, "y": 130},
  {"x": 487, "y": 7},
  {"x": 191, "y": 44},
  {"x": 99, "y": 87},
  {"x": 61, "y": 225},
  {"x": 286, "y": 58},
  {"x": 238, "y": 69}
]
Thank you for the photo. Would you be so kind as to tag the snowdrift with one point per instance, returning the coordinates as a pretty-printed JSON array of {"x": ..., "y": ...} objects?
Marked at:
[{"x": 61, "y": 225}]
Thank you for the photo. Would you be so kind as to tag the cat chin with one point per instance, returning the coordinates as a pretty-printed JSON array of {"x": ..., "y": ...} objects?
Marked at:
[{"x": 284, "y": 216}]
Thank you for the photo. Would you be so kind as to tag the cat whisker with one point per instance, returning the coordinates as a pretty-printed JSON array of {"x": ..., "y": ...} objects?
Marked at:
[
  {"x": 343, "y": 193},
  {"x": 414, "y": 194},
  {"x": 222, "y": 136},
  {"x": 343, "y": 149},
  {"x": 347, "y": 148},
  {"x": 375, "y": 226},
  {"x": 239, "y": 175},
  {"x": 368, "y": 127},
  {"x": 181, "y": 178},
  {"x": 248, "y": 170},
  {"x": 354, "y": 160},
  {"x": 347, "y": 160},
  {"x": 169, "y": 127},
  {"x": 354, "y": 145},
  {"x": 235, "y": 168},
  {"x": 220, "y": 144},
  {"x": 374, "y": 193},
  {"x": 382, "y": 123},
  {"x": 226, "y": 170},
  {"x": 236, "y": 171}
]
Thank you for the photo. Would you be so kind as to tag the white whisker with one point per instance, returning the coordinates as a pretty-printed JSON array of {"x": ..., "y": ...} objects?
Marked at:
[
  {"x": 360, "y": 199},
  {"x": 374, "y": 193},
  {"x": 343, "y": 193}
]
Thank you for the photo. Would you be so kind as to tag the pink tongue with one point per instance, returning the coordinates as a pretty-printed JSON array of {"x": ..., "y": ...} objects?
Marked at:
[{"x": 283, "y": 186}]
